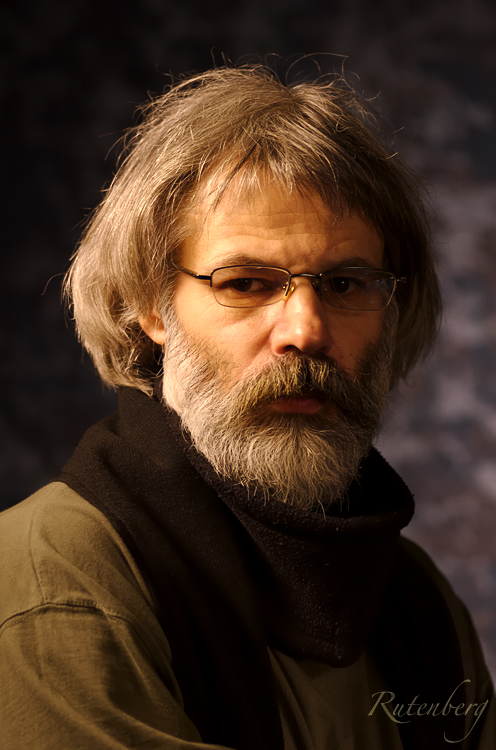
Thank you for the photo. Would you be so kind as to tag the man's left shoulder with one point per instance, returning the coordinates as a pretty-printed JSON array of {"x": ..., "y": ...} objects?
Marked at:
[
  {"x": 422, "y": 560},
  {"x": 473, "y": 660}
]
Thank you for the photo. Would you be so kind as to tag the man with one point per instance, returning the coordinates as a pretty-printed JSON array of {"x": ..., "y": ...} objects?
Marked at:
[{"x": 220, "y": 563}]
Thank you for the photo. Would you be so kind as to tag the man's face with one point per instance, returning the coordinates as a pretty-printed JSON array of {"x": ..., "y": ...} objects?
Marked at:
[
  {"x": 285, "y": 398},
  {"x": 285, "y": 231}
]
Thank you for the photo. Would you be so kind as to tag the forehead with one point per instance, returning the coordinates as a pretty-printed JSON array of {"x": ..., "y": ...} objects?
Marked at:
[
  {"x": 273, "y": 222},
  {"x": 267, "y": 203}
]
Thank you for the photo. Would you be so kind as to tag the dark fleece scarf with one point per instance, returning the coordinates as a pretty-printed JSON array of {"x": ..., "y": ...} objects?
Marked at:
[{"x": 230, "y": 574}]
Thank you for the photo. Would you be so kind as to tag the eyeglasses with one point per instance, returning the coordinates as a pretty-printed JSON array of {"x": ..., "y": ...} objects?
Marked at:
[{"x": 352, "y": 288}]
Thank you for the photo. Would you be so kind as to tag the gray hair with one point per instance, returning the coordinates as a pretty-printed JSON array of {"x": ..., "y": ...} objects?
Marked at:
[{"x": 235, "y": 124}]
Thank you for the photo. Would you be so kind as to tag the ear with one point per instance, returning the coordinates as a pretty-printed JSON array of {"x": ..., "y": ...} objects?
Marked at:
[{"x": 153, "y": 327}]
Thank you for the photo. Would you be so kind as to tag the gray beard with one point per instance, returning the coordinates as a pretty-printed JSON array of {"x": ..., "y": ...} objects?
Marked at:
[{"x": 303, "y": 460}]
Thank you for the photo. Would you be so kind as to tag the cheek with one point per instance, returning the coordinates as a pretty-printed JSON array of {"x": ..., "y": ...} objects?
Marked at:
[
  {"x": 236, "y": 335},
  {"x": 195, "y": 308},
  {"x": 370, "y": 330},
  {"x": 353, "y": 337},
  {"x": 241, "y": 340},
  {"x": 244, "y": 337}
]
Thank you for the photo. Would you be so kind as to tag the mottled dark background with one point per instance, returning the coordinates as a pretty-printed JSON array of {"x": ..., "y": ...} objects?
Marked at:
[{"x": 73, "y": 73}]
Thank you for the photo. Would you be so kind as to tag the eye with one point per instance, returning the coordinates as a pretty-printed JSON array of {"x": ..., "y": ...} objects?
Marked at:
[
  {"x": 344, "y": 284},
  {"x": 248, "y": 286},
  {"x": 264, "y": 282},
  {"x": 358, "y": 288},
  {"x": 245, "y": 285}
]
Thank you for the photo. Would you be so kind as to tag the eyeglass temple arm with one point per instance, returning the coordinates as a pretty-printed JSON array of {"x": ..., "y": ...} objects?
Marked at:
[{"x": 191, "y": 273}]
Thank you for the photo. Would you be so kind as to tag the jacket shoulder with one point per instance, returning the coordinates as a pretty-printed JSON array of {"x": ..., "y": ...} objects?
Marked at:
[
  {"x": 474, "y": 664},
  {"x": 56, "y": 549}
]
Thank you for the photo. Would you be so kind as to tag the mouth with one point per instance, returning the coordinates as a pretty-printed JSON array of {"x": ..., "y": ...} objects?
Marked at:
[{"x": 310, "y": 401}]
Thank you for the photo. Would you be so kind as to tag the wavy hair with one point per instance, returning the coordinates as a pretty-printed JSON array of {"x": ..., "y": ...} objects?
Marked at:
[{"x": 226, "y": 127}]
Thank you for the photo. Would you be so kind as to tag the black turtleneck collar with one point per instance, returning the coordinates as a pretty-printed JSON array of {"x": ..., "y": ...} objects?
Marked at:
[{"x": 322, "y": 574}]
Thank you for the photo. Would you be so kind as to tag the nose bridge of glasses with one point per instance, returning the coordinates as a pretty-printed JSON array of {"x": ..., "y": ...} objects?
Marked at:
[{"x": 312, "y": 277}]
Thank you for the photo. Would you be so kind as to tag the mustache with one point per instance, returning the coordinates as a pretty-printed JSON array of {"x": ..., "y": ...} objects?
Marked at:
[{"x": 297, "y": 375}]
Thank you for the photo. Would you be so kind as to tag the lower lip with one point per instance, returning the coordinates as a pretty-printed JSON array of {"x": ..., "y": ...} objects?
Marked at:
[{"x": 303, "y": 405}]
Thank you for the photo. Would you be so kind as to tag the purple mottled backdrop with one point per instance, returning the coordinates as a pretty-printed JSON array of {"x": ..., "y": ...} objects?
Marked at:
[{"x": 72, "y": 75}]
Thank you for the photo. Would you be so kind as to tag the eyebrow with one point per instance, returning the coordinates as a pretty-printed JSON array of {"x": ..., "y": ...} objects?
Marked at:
[{"x": 241, "y": 259}]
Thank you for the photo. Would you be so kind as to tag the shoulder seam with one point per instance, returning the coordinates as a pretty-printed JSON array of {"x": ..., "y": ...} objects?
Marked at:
[{"x": 76, "y": 605}]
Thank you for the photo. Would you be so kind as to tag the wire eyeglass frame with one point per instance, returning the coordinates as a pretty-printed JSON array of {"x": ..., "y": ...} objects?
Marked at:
[{"x": 287, "y": 288}]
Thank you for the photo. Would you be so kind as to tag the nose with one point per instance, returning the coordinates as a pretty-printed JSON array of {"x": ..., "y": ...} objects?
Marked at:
[{"x": 302, "y": 322}]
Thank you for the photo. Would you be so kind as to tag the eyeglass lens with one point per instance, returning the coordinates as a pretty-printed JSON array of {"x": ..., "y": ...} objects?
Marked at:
[{"x": 352, "y": 289}]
